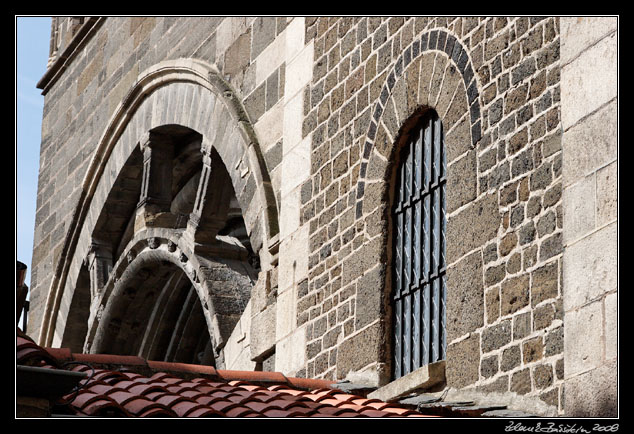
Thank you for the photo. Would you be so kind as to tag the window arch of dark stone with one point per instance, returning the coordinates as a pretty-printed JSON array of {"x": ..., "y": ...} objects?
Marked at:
[{"x": 418, "y": 265}]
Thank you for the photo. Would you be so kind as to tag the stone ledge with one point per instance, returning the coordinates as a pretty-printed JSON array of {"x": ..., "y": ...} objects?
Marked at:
[{"x": 421, "y": 379}]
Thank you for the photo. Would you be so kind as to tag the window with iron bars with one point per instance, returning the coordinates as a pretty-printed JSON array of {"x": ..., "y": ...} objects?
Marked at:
[{"x": 419, "y": 287}]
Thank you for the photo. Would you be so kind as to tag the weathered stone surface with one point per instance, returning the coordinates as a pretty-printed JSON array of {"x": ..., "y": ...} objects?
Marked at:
[
  {"x": 545, "y": 283},
  {"x": 584, "y": 88},
  {"x": 496, "y": 336},
  {"x": 593, "y": 393},
  {"x": 521, "y": 325},
  {"x": 521, "y": 382},
  {"x": 370, "y": 297},
  {"x": 463, "y": 362},
  {"x": 360, "y": 350},
  {"x": 472, "y": 227},
  {"x": 543, "y": 376},
  {"x": 363, "y": 259},
  {"x": 579, "y": 208},
  {"x": 461, "y": 181},
  {"x": 489, "y": 366},
  {"x": 590, "y": 144},
  {"x": 511, "y": 358},
  {"x": 515, "y": 294},
  {"x": 263, "y": 326},
  {"x": 465, "y": 296},
  {"x": 583, "y": 338},
  {"x": 533, "y": 349},
  {"x": 578, "y": 33},
  {"x": 325, "y": 80},
  {"x": 606, "y": 191},
  {"x": 588, "y": 271}
]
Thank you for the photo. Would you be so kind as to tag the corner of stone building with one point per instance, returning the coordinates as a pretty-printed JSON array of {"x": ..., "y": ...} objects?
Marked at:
[{"x": 589, "y": 99}]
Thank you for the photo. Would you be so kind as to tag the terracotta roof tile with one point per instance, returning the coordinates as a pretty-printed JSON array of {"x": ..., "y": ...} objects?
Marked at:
[{"x": 129, "y": 386}]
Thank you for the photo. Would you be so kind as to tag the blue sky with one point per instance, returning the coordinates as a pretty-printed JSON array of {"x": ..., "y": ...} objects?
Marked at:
[{"x": 32, "y": 35}]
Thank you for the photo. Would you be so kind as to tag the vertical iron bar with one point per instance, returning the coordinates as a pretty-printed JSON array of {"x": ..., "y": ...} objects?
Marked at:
[
  {"x": 407, "y": 334},
  {"x": 398, "y": 332}
]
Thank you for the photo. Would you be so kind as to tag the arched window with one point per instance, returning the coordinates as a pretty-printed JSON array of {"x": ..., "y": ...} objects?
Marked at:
[{"x": 419, "y": 294}]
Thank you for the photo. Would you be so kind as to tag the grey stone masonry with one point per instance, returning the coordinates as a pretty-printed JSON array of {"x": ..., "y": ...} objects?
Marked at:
[
  {"x": 495, "y": 84},
  {"x": 290, "y": 129}
]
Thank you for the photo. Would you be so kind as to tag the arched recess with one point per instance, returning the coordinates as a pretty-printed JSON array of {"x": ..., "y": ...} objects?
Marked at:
[
  {"x": 191, "y": 94},
  {"x": 433, "y": 73},
  {"x": 165, "y": 302}
]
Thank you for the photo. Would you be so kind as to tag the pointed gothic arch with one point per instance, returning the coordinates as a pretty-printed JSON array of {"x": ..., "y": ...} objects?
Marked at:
[{"x": 191, "y": 95}]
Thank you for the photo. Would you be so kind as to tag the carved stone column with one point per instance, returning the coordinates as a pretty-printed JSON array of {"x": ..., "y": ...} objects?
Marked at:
[
  {"x": 153, "y": 208},
  {"x": 194, "y": 218},
  {"x": 99, "y": 264},
  {"x": 209, "y": 214}
]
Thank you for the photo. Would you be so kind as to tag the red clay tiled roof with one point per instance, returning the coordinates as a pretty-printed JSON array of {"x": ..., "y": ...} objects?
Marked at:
[{"x": 129, "y": 386}]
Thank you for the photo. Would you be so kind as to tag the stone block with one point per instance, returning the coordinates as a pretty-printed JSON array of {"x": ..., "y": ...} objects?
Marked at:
[
  {"x": 554, "y": 342},
  {"x": 263, "y": 325},
  {"x": 579, "y": 33},
  {"x": 543, "y": 316},
  {"x": 590, "y": 267},
  {"x": 465, "y": 296},
  {"x": 521, "y": 325},
  {"x": 290, "y": 353},
  {"x": 492, "y": 305},
  {"x": 515, "y": 294},
  {"x": 238, "y": 54},
  {"x": 263, "y": 34},
  {"x": 511, "y": 358},
  {"x": 451, "y": 82},
  {"x": 299, "y": 71},
  {"x": 427, "y": 68},
  {"x": 286, "y": 316},
  {"x": 295, "y": 167},
  {"x": 533, "y": 349},
  {"x": 458, "y": 139},
  {"x": 551, "y": 246},
  {"x": 521, "y": 382},
  {"x": 363, "y": 259},
  {"x": 289, "y": 213},
  {"x": 606, "y": 195},
  {"x": 423, "y": 378},
  {"x": 589, "y": 81},
  {"x": 496, "y": 336},
  {"x": 370, "y": 297},
  {"x": 583, "y": 339},
  {"x": 489, "y": 366},
  {"x": 472, "y": 227},
  {"x": 270, "y": 59},
  {"x": 611, "y": 326},
  {"x": 268, "y": 127},
  {"x": 579, "y": 208},
  {"x": 543, "y": 376},
  {"x": 295, "y": 34},
  {"x": 463, "y": 362},
  {"x": 361, "y": 350},
  {"x": 293, "y": 262},
  {"x": 590, "y": 144},
  {"x": 544, "y": 283},
  {"x": 594, "y": 393},
  {"x": 461, "y": 181}
]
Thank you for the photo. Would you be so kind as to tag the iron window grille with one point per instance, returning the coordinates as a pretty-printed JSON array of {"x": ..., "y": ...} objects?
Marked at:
[{"x": 419, "y": 294}]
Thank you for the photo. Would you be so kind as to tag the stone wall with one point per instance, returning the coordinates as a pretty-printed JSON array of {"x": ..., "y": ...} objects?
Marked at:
[
  {"x": 504, "y": 226},
  {"x": 589, "y": 90}
]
